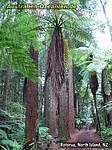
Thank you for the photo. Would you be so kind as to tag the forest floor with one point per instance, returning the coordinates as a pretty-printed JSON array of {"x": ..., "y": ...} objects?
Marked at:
[{"x": 82, "y": 136}]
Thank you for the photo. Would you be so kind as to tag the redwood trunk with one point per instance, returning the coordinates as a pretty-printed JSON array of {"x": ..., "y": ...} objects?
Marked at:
[
  {"x": 63, "y": 113},
  {"x": 53, "y": 109},
  {"x": 46, "y": 105},
  {"x": 104, "y": 96},
  {"x": 53, "y": 95},
  {"x": 31, "y": 110},
  {"x": 31, "y": 103}
]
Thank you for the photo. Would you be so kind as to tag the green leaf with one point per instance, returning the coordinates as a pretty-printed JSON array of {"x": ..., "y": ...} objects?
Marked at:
[
  {"x": 3, "y": 147},
  {"x": 3, "y": 134},
  {"x": 7, "y": 142}
]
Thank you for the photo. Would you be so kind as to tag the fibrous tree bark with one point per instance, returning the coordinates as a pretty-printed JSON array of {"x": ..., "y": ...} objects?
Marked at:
[
  {"x": 63, "y": 113},
  {"x": 30, "y": 97},
  {"x": 71, "y": 97},
  {"x": 47, "y": 104},
  {"x": 56, "y": 72},
  {"x": 94, "y": 87},
  {"x": 40, "y": 91},
  {"x": 52, "y": 57},
  {"x": 93, "y": 82},
  {"x": 53, "y": 110}
]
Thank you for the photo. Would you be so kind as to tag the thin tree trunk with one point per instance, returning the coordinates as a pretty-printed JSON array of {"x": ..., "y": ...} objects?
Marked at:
[
  {"x": 2, "y": 82},
  {"x": 14, "y": 91},
  {"x": 71, "y": 98},
  {"x": 40, "y": 93},
  {"x": 97, "y": 116},
  {"x": 5, "y": 90},
  {"x": 104, "y": 96},
  {"x": 46, "y": 105},
  {"x": 93, "y": 113},
  {"x": 93, "y": 81}
]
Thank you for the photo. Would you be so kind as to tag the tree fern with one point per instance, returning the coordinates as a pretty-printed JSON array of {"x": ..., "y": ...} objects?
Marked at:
[{"x": 16, "y": 34}]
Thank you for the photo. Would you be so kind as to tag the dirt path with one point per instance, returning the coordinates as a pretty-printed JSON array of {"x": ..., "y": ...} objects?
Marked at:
[{"x": 82, "y": 136}]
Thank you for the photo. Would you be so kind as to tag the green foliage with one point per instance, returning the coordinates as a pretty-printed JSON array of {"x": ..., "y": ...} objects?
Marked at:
[
  {"x": 107, "y": 79},
  {"x": 17, "y": 32},
  {"x": 41, "y": 123},
  {"x": 16, "y": 109},
  {"x": 11, "y": 128},
  {"x": 10, "y": 143},
  {"x": 18, "y": 29},
  {"x": 79, "y": 55},
  {"x": 44, "y": 137},
  {"x": 44, "y": 134},
  {"x": 79, "y": 121},
  {"x": 107, "y": 87},
  {"x": 3, "y": 134},
  {"x": 62, "y": 139},
  {"x": 5, "y": 143},
  {"x": 107, "y": 135},
  {"x": 20, "y": 62},
  {"x": 43, "y": 131},
  {"x": 84, "y": 91},
  {"x": 3, "y": 147},
  {"x": 107, "y": 107},
  {"x": 16, "y": 146},
  {"x": 79, "y": 26}
]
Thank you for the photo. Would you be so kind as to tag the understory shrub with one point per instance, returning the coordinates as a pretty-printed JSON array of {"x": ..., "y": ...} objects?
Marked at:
[
  {"x": 107, "y": 135},
  {"x": 11, "y": 131}
]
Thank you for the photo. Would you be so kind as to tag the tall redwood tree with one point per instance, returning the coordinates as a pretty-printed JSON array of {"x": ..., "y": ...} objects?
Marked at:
[{"x": 31, "y": 102}]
